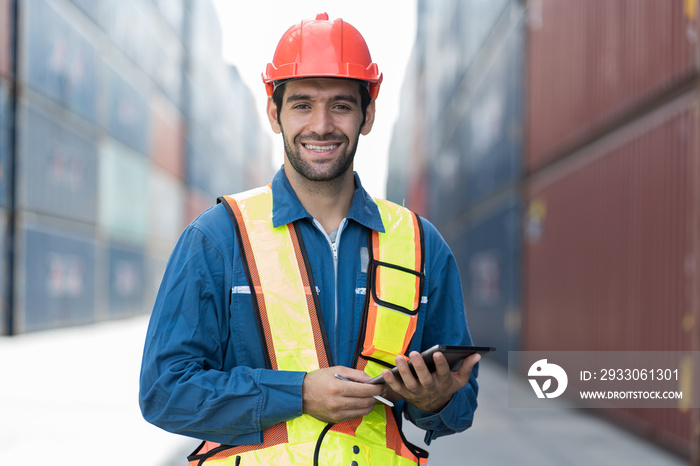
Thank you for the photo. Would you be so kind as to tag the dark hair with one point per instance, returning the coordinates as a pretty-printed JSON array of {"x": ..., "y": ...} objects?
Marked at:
[{"x": 365, "y": 99}]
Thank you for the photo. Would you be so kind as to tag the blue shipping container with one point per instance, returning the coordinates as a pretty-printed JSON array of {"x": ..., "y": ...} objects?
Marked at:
[
  {"x": 482, "y": 153},
  {"x": 127, "y": 281},
  {"x": 4, "y": 309},
  {"x": 62, "y": 63},
  {"x": 129, "y": 113},
  {"x": 494, "y": 123},
  {"x": 488, "y": 253},
  {"x": 58, "y": 168},
  {"x": 59, "y": 271},
  {"x": 173, "y": 11},
  {"x": 200, "y": 161},
  {"x": 91, "y": 8}
]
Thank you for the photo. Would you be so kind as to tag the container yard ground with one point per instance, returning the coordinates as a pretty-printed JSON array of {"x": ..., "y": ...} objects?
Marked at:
[{"x": 72, "y": 395}]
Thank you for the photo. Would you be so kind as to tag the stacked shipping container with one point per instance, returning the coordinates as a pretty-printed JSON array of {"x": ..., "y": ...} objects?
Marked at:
[
  {"x": 607, "y": 175},
  {"x": 103, "y": 114},
  {"x": 462, "y": 106},
  {"x": 612, "y": 233},
  {"x": 6, "y": 127}
]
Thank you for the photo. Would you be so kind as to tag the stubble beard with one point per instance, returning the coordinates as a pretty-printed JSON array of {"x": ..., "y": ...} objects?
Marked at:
[{"x": 320, "y": 172}]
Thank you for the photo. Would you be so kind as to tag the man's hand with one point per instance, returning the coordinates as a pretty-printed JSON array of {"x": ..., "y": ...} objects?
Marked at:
[
  {"x": 429, "y": 392},
  {"x": 330, "y": 399}
]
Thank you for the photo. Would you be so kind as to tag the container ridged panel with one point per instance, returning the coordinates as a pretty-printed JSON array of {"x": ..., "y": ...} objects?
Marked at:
[
  {"x": 610, "y": 249},
  {"x": 590, "y": 64}
]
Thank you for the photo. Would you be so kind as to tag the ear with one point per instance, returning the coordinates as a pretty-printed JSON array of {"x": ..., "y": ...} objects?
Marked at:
[
  {"x": 272, "y": 116},
  {"x": 369, "y": 119}
]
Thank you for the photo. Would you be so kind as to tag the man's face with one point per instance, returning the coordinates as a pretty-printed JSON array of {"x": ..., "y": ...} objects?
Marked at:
[{"x": 320, "y": 121}]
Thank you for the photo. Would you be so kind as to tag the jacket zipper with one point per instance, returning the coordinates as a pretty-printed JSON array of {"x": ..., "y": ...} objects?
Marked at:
[{"x": 334, "y": 250}]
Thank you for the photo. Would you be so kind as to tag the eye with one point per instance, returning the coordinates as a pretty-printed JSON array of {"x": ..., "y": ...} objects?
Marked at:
[{"x": 301, "y": 106}]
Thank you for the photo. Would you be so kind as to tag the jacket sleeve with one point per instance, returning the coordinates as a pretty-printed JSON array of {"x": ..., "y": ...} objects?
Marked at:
[
  {"x": 445, "y": 323},
  {"x": 189, "y": 385}
]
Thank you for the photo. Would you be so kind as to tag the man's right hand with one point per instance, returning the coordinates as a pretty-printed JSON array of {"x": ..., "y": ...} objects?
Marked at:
[{"x": 332, "y": 400}]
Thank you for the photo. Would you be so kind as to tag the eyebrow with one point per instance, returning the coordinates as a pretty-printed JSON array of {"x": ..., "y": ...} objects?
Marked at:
[{"x": 343, "y": 97}]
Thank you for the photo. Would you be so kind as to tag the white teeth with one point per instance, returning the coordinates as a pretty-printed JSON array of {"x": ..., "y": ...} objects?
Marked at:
[{"x": 320, "y": 148}]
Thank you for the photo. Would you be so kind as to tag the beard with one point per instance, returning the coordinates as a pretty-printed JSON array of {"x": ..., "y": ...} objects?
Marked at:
[{"x": 327, "y": 171}]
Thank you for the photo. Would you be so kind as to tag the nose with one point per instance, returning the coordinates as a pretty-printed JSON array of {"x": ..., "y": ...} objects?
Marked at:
[{"x": 321, "y": 121}]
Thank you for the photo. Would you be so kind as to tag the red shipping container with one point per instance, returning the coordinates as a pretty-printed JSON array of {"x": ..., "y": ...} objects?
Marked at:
[
  {"x": 612, "y": 254},
  {"x": 593, "y": 64},
  {"x": 168, "y": 137},
  {"x": 6, "y": 28}
]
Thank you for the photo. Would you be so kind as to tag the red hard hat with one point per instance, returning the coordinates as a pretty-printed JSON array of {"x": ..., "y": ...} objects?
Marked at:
[{"x": 322, "y": 48}]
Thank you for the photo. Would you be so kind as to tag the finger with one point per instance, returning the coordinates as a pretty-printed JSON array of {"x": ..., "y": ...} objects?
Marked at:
[
  {"x": 407, "y": 377},
  {"x": 353, "y": 374},
  {"x": 392, "y": 381},
  {"x": 465, "y": 370},
  {"x": 354, "y": 389},
  {"x": 425, "y": 378},
  {"x": 442, "y": 368}
]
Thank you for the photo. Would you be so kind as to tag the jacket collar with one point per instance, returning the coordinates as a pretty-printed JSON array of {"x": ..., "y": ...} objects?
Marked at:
[{"x": 286, "y": 207}]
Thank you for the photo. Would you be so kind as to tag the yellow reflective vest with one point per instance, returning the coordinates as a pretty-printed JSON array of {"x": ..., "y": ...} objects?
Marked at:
[{"x": 292, "y": 328}]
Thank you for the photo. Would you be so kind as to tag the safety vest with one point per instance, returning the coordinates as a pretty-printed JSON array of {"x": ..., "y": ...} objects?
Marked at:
[{"x": 290, "y": 323}]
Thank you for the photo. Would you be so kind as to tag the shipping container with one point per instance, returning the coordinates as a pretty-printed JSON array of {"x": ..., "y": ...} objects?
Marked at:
[
  {"x": 6, "y": 33},
  {"x": 205, "y": 38},
  {"x": 6, "y": 124},
  {"x": 130, "y": 26},
  {"x": 123, "y": 193},
  {"x": 475, "y": 21},
  {"x": 200, "y": 160},
  {"x": 197, "y": 202},
  {"x": 91, "y": 8},
  {"x": 166, "y": 67},
  {"x": 173, "y": 11},
  {"x": 206, "y": 100},
  {"x": 211, "y": 166},
  {"x": 494, "y": 122},
  {"x": 612, "y": 247},
  {"x": 126, "y": 281},
  {"x": 167, "y": 137},
  {"x": 58, "y": 60},
  {"x": 54, "y": 278},
  {"x": 592, "y": 64},
  {"x": 155, "y": 269},
  {"x": 128, "y": 119},
  {"x": 488, "y": 254},
  {"x": 166, "y": 210},
  {"x": 57, "y": 166},
  {"x": 447, "y": 194},
  {"x": 466, "y": 111},
  {"x": 4, "y": 275}
]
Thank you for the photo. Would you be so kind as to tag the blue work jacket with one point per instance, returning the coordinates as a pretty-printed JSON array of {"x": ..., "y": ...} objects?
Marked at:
[{"x": 203, "y": 372}]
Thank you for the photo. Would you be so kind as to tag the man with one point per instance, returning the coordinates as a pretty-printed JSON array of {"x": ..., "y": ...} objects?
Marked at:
[{"x": 275, "y": 295}]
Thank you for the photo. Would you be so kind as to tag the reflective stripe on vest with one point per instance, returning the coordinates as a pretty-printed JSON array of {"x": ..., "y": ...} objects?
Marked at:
[
  {"x": 290, "y": 324},
  {"x": 396, "y": 283}
]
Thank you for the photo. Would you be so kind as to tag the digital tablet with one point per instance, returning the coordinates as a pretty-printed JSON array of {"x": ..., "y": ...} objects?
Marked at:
[{"x": 453, "y": 354}]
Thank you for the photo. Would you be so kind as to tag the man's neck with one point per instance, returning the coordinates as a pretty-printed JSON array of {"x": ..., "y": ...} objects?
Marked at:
[{"x": 327, "y": 201}]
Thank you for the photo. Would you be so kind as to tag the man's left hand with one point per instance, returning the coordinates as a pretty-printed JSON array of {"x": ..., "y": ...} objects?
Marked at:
[{"x": 428, "y": 391}]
